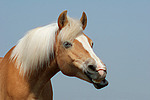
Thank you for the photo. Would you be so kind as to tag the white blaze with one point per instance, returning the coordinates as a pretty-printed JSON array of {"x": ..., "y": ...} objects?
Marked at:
[{"x": 84, "y": 41}]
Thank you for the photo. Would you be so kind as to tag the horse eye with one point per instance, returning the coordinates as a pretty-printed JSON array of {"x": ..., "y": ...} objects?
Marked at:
[
  {"x": 67, "y": 44},
  {"x": 92, "y": 44}
]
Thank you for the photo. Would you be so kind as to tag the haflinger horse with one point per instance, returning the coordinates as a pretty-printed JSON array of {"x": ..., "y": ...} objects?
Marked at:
[{"x": 26, "y": 70}]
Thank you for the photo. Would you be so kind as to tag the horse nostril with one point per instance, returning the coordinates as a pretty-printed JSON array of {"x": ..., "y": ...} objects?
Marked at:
[
  {"x": 105, "y": 71},
  {"x": 92, "y": 67}
]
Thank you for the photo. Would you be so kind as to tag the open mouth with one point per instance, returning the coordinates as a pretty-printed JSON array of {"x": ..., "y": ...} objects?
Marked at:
[{"x": 97, "y": 84}]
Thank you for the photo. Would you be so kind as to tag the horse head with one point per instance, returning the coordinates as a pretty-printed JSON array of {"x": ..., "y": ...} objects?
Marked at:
[{"x": 74, "y": 52}]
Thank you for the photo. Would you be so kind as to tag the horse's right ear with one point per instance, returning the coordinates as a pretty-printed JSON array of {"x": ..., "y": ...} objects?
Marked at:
[{"x": 62, "y": 19}]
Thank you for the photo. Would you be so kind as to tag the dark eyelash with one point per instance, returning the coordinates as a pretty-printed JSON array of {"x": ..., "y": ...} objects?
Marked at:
[{"x": 92, "y": 44}]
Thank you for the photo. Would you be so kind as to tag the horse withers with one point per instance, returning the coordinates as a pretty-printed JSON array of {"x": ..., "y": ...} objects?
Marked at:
[
  {"x": 1, "y": 59},
  {"x": 27, "y": 68}
]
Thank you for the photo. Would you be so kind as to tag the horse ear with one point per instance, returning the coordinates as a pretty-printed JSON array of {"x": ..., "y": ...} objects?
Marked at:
[
  {"x": 83, "y": 20},
  {"x": 62, "y": 19}
]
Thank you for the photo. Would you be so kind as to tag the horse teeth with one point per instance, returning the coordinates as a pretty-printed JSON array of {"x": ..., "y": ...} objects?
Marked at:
[{"x": 96, "y": 81}]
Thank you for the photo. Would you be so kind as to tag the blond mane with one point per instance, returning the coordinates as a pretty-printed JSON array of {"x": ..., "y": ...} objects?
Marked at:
[{"x": 37, "y": 46}]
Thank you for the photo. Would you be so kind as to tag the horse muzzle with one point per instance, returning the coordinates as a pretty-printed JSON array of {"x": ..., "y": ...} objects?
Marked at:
[
  {"x": 99, "y": 82},
  {"x": 96, "y": 74}
]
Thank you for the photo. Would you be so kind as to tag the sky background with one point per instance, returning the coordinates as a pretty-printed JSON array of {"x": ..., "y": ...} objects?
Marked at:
[{"x": 120, "y": 30}]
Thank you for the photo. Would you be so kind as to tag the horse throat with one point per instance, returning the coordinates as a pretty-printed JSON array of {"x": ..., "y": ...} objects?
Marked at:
[{"x": 39, "y": 79}]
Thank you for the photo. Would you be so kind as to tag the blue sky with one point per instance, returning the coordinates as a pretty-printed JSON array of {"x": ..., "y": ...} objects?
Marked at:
[{"x": 120, "y": 30}]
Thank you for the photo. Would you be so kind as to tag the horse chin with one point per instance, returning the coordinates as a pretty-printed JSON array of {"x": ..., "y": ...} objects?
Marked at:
[{"x": 100, "y": 85}]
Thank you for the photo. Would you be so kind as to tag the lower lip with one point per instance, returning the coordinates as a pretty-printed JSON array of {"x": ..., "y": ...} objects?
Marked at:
[{"x": 102, "y": 84}]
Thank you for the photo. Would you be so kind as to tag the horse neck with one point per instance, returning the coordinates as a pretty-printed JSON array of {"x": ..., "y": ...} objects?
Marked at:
[
  {"x": 33, "y": 82},
  {"x": 38, "y": 79}
]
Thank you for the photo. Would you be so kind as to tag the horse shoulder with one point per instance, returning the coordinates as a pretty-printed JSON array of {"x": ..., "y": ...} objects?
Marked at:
[{"x": 16, "y": 86}]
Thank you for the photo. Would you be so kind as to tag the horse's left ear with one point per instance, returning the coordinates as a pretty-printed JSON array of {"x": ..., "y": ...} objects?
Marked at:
[
  {"x": 62, "y": 19},
  {"x": 83, "y": 20}
]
